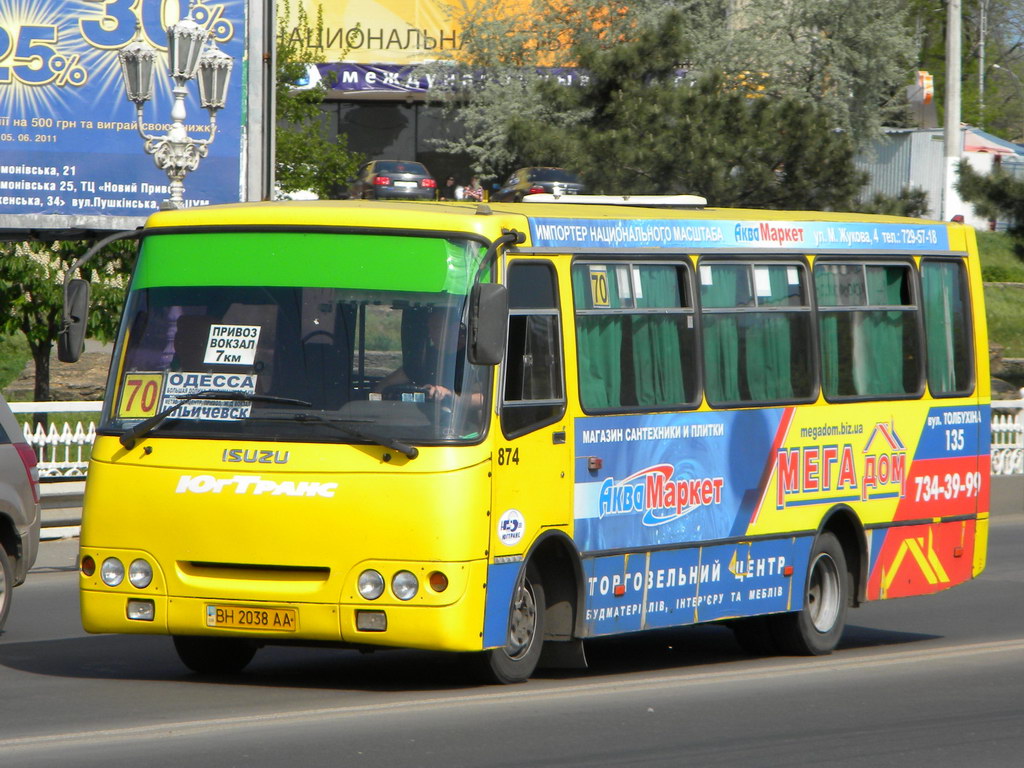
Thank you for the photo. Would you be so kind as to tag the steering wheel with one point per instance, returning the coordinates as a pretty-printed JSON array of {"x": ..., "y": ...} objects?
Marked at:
[{"x": 318, "y": 332}]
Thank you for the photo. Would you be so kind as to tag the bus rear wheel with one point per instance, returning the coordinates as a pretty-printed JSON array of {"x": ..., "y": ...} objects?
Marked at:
[
  {"x": 214, "y": 655},
  {"x": 518, "y": 659},
  {"x": 816, "y": 629}
]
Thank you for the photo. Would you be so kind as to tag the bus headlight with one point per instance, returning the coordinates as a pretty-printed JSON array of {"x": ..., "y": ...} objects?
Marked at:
[
  {"x": 112, "y": 572},
  {"x": 371, "y": 584},
  {"x": 404, "y": 585},
  {"x": 140, "y": 574}
]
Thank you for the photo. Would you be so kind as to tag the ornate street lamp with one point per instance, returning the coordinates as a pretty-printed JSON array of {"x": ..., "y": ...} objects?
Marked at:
[{"x": 177, "y": 153}]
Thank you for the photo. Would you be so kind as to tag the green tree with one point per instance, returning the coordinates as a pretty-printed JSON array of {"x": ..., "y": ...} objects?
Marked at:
[
  {"x": 993, "y": 34},
  {"x": 305, "y": 158},
  {"x": 911, "y": 201},
  {"x": 637, "y": 127},
  {"x": 31, "y": 292},
  {"x": 851, "y": 58},
  {"x": 849, "y": 62},
  {"x": 995, "y": 195}
]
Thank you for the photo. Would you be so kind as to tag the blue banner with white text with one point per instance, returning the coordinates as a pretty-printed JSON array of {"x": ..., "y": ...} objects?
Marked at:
[{"x": 770, "y": 234}]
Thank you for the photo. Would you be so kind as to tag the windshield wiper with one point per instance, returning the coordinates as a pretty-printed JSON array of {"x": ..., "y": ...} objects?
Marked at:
[
  {"x": 143, "y": 428},
  {"x": 410, "y": 451}
]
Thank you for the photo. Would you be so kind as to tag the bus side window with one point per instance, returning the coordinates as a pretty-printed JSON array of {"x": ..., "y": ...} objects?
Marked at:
[
  {"x": 533, "y": 393},
  {"x": 757, "y": 333},
  {"x": 947, "y": 325},
  {"x": 868, "y": 328},
  {"x": 635, "y": 336}
]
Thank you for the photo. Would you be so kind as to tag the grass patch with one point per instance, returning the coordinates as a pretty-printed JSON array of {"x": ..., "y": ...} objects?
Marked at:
[
  {"x": 1004, "y": 301},
  {"x": 14, "y": 355},
  {"x": 1004, "y": 307},
  {"x": 999, "y": 263}
]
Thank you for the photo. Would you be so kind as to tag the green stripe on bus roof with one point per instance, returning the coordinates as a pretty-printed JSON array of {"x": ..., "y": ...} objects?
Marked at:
[{"x": 294, "y": 259}]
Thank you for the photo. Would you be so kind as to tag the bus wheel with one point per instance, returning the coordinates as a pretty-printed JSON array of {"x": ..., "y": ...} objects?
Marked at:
[
  {"x": 214, "y": 655},
  {"x": 6, "y": 585},
  {"x": 518, "y": 659},
  {"x": 815, "y": 630}
]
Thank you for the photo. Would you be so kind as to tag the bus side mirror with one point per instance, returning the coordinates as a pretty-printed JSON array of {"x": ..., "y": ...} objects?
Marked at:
[
  {"x": 488, "y": 323},
  {"x": 71, "y": 341}
]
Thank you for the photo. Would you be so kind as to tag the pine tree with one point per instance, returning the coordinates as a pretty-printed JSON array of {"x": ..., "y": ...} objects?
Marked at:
[{"x": 640, "y": 126}]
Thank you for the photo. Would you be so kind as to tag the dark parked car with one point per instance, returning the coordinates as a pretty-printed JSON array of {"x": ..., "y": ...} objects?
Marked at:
[
  {"x": 534, "y": 181},
  {"x": 19, "y": 507},
  {"x": 393, "y": 180}
]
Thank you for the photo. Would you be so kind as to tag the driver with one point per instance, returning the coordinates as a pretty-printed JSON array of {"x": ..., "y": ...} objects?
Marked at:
[{"x": 432, "y": 368}]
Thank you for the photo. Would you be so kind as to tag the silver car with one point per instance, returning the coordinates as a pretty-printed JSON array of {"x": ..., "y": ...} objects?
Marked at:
[
  {"x": 393, "y": 180},
  {"x": 538, "y": 181},
  {"x": 19, "y": 508}
]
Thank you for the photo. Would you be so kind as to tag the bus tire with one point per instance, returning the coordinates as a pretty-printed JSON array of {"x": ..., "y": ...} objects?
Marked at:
[
  {"x": 815, "y": 630},
  {"x": 6, "y": 586},
  {"x": 214, "y": 655},
  {"x": 518, "y": 659}
]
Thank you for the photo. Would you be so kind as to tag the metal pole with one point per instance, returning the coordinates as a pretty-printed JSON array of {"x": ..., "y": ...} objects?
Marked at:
[
  {"x": 982, "y": 33},
  {"x": 951, "y": 136}
]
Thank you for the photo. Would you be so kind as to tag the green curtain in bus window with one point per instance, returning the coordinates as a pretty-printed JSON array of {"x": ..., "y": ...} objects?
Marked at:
[
  {"x": 878, "y": 335},
  {"x": 828, "y": 330},
  {"x": 768, "y": 347},
  {"x": 657, "y": 358},
  {"x": 598, "y": 343},
  {"x": 719, "y": 286},
  {"x": 945, "y": 322}
]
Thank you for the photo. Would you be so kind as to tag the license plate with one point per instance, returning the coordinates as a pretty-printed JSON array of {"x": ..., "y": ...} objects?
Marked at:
[
  {"x": 244, "y": 617},
  {"x": 405, "y": 183}
]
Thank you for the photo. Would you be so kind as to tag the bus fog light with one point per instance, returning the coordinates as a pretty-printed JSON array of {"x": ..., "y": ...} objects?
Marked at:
[
  {"x": 141, "y": 610},
  {"x": 404, "y": 585},
  {"x": 438, "y": 581},
  {"x": 112, "y": 572},
  {"x": 371, "y": 621},
  {"x": 140, "y": 574},
  {"x": 371, "y": 584}
]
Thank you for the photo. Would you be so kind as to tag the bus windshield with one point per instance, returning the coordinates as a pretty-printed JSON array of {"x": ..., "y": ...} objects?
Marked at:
[{"x": 356, "y": 361}]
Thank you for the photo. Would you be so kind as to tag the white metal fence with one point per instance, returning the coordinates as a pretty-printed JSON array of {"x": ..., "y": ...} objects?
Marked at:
[
  {"x": 63, "y": 446},
  {"x": 1007, "y": 437}
]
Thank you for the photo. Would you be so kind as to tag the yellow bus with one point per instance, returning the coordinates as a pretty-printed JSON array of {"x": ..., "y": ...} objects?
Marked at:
[{"x": 504, "y": 429}]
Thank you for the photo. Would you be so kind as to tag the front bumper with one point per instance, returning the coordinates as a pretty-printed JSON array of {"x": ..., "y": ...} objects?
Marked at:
[{"x": 455, "y": 625}]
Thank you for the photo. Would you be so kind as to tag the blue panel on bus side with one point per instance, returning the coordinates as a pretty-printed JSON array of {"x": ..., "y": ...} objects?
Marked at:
[
  {"x": 755, "y": 579},
  {"x": 501, "y": 582},
  {"x": 958, "y": 431},
  {"x": 614, "y": 593},
  {"x": 672, "y": 478},
  {"x": 674, "y": 587}
]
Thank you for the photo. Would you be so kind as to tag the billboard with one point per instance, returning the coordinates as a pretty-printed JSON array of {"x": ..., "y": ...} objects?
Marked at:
[
  {"x": 386, "y": 31},
  {"x": 71, "y": 153}
]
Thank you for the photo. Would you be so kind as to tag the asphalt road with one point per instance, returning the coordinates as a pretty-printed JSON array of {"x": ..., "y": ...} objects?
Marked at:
[{"x": 931, "y": 681}]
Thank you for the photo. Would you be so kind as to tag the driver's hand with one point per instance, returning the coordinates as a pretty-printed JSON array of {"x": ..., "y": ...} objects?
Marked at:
[{"x": 437, "y": 391}]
